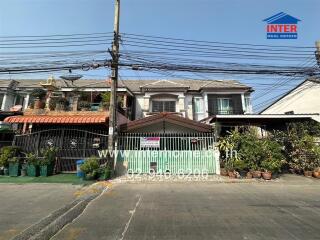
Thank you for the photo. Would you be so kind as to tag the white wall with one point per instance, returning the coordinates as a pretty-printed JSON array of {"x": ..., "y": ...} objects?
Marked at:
[
  {"x": 8, "y": 101},
  {"x": 139, "y": 106},
  {"x": 303, "y": 100}
]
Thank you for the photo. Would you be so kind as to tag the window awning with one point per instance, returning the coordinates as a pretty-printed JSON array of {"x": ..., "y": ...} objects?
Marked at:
[{"x": 72, "y": 119}]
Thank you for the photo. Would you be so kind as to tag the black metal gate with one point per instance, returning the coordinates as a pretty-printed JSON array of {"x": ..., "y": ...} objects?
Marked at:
[{"x": 72, "y": 144}]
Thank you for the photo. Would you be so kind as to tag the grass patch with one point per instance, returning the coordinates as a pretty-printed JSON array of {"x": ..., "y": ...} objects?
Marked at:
[{"x": 59, "y": 178}]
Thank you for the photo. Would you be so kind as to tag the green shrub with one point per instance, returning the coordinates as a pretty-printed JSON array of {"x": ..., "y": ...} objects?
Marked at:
[
  {"x": 90, "y": 166},
  {"x": 6, "y": 153},
  {"x": 48, "y": 156},
  {"x": 32, "y": 159}
]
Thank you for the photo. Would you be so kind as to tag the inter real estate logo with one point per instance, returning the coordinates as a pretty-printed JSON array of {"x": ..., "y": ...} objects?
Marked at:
[{"x": 282, "y": 26}]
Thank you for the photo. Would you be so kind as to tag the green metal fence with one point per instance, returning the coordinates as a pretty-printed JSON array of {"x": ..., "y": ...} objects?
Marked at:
[{"x": 174, "y": 153}]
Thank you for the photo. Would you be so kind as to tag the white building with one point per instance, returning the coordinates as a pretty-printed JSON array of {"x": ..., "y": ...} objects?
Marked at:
[{"x": 303, "y": 99}]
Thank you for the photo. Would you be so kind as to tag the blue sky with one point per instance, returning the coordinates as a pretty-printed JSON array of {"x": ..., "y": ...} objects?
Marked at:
[{"x": 237, "y": 21}]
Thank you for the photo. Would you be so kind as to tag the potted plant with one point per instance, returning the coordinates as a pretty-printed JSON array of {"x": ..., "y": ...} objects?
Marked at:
[
  {"x": 6, "y": 153},
  {"x": 316, "y": 172},
  {"x": 39, "y": 95},
  {"x": 249, "y": 175},
  {"x": 14, "y": 167},
  {"x": 47, "y": 161},
  {"x": 90, "y": 168},
  {"x": 270, "y": 166},
  {"x": 229, "y": 166},
  {"x": 240, "y": 166},
  {"x": 84, "y": 105},
  {"x": 105, "y": 173},
  {"x": 32, "y": 165},
  {"x": 273, "y": 158}
]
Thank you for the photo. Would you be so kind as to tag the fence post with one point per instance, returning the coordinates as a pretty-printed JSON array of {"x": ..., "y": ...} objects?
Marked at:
[
  {"x": 85, "y": 144},
  {"x": 38, "y": 143}
]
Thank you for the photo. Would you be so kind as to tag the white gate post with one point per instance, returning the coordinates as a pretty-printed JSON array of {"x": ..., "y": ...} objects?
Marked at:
[{"x": 217, "y": 160}]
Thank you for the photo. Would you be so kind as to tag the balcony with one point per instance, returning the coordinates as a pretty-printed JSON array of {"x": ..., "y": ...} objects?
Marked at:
[{"x": 226, "y": 112}]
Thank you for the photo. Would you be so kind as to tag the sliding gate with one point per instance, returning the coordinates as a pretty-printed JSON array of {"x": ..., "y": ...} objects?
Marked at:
[{"x": 163, "y": 153}]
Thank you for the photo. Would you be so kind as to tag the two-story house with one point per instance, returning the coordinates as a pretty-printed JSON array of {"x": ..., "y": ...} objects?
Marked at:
[{"x": 193, "y": 99}]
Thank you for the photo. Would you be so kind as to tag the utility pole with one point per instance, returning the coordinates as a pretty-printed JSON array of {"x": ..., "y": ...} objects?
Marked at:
[
  {"x": 318, "y": 52},
  {"x": 114, "y": 83}
]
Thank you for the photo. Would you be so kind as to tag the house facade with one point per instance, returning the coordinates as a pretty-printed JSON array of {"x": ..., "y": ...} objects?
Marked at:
[
  {"x": 163, "y": 114},
  {"x": 303, "y": 99},
  {"x": 192, "y": 99}
]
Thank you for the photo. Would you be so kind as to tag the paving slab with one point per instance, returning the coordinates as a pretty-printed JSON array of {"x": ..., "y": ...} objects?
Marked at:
[
  {"x": 23, "y": 205},
  {"x": 201, "y": 210}
]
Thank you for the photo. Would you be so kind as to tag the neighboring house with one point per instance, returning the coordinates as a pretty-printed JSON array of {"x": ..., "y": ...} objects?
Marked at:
[
  {"x": 193, "y": 99},
  {"x": 17, "y": 92},
  {"x": 303, "y": 99}
]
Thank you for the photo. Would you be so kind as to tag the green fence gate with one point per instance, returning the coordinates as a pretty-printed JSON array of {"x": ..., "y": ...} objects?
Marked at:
[{"x": 167, "y": 152}]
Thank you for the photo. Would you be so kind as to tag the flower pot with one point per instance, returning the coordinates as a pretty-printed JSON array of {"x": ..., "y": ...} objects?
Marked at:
[
  {"x": 14, "y": 169},
  {"x": 232, "y": 174},
  {"x": 307, "y": 173},
  {"x": 46, "y": 170},
  {"x": 249, "y": 175},
  {"x": 32, "y": 170},
  {"x": 267, "y": 175},
  {"x": 256, "y": 174},
  {"x": 223, "y": 172},
  {"x": 316, "y": 174}
]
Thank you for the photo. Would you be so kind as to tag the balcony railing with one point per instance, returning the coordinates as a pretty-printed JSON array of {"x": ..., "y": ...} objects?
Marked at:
[{"x": 227, "y": 112}]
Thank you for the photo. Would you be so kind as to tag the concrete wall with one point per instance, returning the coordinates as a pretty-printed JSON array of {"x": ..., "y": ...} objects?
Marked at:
[{"x": 303, "y": 100}]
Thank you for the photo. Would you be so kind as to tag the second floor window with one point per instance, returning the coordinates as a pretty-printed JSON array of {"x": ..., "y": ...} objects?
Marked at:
[
  {"x": 198, "y": 105},
  {"x": 163, "y": 106},
  {"x": 225, "y": 106}
]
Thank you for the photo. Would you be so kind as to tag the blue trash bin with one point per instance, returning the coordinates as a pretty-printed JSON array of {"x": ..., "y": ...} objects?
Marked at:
[{"x": 80, "y": 174}]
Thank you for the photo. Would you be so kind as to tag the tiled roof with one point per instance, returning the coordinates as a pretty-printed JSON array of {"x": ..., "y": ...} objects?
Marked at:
[
  {"x": 47, "y": 119},
  {"x": 135, "y": 85},
  {"x": 167, "y": 117}
]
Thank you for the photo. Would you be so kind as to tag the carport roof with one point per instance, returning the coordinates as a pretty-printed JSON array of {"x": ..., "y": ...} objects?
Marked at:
[{"x": 165, "y": 117}]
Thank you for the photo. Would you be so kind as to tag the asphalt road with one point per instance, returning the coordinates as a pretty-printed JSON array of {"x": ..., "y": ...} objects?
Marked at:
[
  {"x": 282, "y": 210},
  {"x": 25, "y": 204}
]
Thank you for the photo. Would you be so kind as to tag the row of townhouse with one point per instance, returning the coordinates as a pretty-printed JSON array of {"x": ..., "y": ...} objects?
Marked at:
[{"x": 192, "y": 99}]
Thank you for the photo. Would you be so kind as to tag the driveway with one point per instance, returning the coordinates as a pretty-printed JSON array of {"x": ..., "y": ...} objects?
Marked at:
[
  {"x": 288, "y": 209},
  {"x": 23, "y": 205}
]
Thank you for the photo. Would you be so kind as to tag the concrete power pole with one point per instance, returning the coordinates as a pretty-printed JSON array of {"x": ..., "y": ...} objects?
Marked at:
[
  {"x": 114, "y": 81},
  {"x": 318, "y": 52}
]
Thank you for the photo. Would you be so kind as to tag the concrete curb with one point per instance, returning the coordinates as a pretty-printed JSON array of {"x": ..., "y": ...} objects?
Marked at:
[{"x": 53, "y": 223}]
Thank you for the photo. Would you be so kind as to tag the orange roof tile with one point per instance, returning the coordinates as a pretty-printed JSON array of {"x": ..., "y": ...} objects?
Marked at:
[{"x": 45, "y": 119}]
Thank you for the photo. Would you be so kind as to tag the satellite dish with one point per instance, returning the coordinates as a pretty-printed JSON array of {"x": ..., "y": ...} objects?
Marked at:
[{"x": 71, "y": 77}]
